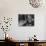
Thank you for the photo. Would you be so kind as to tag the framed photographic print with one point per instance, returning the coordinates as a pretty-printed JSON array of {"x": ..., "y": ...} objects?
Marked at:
[{"x": 26, "y": 19}]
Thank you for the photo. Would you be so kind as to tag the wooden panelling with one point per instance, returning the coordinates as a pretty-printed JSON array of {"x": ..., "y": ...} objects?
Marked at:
[
  {"x": 44, "y": 44},
  {"x": 25, "y": 44},
  {"x": 17, "y": 44},
  {"x": 40, "y": 44}
]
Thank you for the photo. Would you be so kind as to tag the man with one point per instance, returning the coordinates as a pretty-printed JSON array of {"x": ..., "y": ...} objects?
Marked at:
[{"x": 29, "y": 21}]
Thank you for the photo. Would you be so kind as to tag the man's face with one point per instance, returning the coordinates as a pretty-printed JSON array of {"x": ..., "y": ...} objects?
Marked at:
[{"x": 29, "y": 19}]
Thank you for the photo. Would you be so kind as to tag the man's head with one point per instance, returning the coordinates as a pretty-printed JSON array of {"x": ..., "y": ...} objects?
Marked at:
[{"x": 29, "y": 18}]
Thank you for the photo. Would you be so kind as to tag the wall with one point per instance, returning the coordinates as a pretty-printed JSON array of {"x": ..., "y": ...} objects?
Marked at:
[{"x": 11, "y": 8}]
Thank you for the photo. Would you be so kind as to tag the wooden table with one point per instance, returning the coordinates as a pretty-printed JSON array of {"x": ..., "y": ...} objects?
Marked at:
[{"x": 28, "y": 43}]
